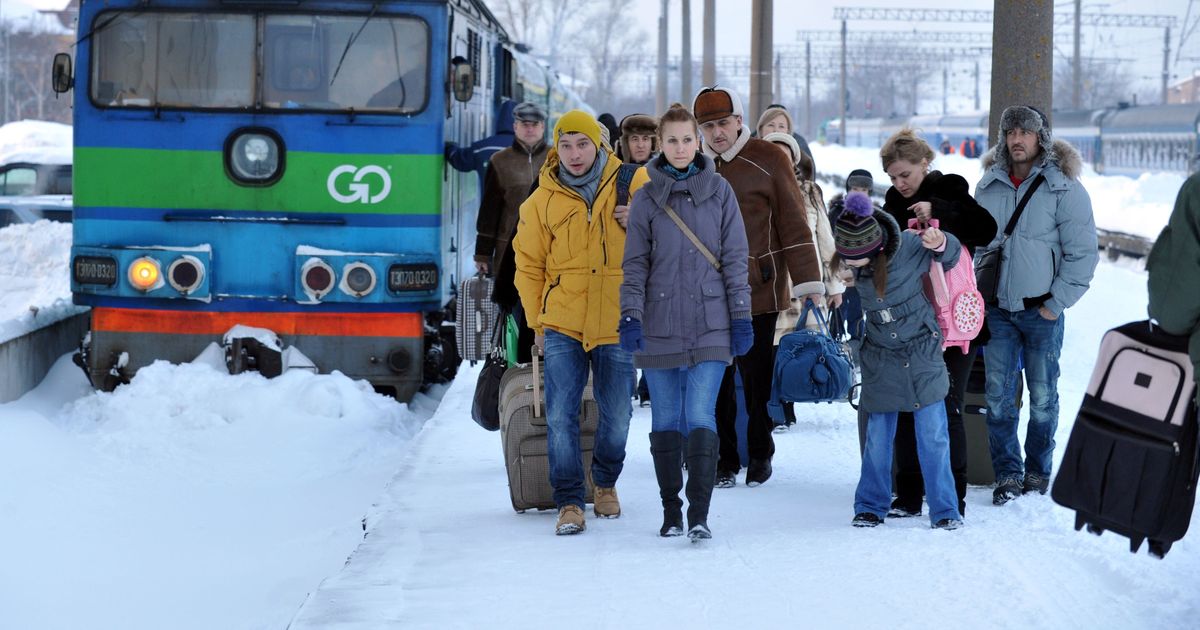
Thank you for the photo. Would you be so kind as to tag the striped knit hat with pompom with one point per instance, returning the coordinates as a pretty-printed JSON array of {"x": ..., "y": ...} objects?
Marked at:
[{"x": 857, "y": 233}]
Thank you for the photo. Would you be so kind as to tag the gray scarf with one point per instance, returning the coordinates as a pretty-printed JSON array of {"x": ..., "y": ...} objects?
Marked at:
[{"x": 588, "y": 183}]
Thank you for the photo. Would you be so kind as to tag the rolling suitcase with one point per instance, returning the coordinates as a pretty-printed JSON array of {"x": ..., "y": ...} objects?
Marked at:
[
  {"x": 1130, "y": 465},
  {"x": 974, "y": 411},
  {"x": 475, "y": 315},
  {"x": 523, "y": 435}
]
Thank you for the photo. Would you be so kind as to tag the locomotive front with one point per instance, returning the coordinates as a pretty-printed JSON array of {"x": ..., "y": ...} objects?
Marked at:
[{"x": 238, "y": 165}]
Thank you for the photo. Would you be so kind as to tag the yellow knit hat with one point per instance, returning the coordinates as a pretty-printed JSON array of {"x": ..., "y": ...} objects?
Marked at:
[{"x": 578, "y": 121}]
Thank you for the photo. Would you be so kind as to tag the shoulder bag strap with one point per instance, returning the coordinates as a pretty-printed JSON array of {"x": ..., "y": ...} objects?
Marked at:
[
  {"x": 1012, "y": 222},
  {"x": 712, "y": 260}
]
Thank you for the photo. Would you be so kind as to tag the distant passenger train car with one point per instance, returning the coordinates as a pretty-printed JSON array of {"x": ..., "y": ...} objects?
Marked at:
[
  {"x": 1082, "y": 129},
  {"x": 1116, "y": 141},
  {"x": 1135, "y": 140}
]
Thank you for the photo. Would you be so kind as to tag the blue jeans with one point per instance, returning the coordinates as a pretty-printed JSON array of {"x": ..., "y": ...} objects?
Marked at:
[
  {"x": 566, "y": 375},
  {"x": 874, "y": 493},
  {"x": 687, "y": 392},
  {"x": 1040, "y": 340}
]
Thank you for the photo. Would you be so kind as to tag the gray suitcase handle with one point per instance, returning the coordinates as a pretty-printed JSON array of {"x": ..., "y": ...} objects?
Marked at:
[{"x": 537, "y": 383}]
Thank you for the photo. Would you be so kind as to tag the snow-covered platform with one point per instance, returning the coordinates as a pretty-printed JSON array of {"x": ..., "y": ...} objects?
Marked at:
[{"x": 444, "y": 549}]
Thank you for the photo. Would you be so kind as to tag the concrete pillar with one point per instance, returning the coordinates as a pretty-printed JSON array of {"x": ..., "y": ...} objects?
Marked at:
[
  {"x": 685, "y": 64},
  {"x": 1022, "y": 57},
  {"x": 761, "y": 58},
  {"x": 660, "y": 92},
  {"x": 708, "y": 75}
]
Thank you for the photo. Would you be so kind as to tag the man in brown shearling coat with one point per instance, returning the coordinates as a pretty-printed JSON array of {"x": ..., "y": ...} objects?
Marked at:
[{"x": 783, "y": 264}]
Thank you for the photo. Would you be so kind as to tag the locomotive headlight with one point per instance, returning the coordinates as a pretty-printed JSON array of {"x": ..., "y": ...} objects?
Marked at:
[
  {"x": 185, "y": 274},
  {"x": 145, "y": 274},
  {"x": 254, "y": 156},
  {"x": 358, "y": 279},
  {"x": 317, "y": 277}
]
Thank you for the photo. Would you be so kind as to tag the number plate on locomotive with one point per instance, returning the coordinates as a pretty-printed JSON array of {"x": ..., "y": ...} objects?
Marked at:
[
  {"x": 94, "y": 270},
  {"x": 421, "y": 277}
]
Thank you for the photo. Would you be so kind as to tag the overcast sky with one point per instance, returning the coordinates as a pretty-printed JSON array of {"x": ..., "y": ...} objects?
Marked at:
[{"x": 1143, "y": 45}]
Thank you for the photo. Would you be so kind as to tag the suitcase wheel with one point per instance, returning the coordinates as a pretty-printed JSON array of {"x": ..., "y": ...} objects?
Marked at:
[
  {"x": 1135, "y": 543},
  {"x": 1080, "y": 521},
  {"x": 1158, "y": 548},
  {"x": 1096, "y": 529}
]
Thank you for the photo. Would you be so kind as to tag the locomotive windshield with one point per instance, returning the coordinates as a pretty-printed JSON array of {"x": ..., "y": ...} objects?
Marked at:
[{"x": 210, "y": 61}]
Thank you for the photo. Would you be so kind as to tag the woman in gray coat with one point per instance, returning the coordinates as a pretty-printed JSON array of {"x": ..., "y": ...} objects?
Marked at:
[
  {"x": 901, "y": 356},
  {"x": 685, "y": 310}
]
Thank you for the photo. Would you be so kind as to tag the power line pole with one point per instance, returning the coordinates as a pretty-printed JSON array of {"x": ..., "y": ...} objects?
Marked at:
[
  {"x": 842, "y": 87},
  {"x": 945, "y": 90},
  {"x": 808, "y": 128},
  {"x": 777, "y": 93},
  {"x": 761, "y": 49},
  {"x": 976, "y": 85},
  {"x": 660, "y": 96},
  {"x": 1077, "y": 81},
  {"x": 1022, "y": 58},
  {"x": 685, "y": 65},
  {"x": 1166, "y": 62},
  {"x": 709, "y": 72}
]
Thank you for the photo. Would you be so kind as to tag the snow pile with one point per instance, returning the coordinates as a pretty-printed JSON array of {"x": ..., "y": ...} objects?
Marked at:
[
  {"x": 189, "y": 498},
  {"x": 1121, "y": 204},
  {"x": 35, "y": 274},
  {"x": 35, "y": 141}
]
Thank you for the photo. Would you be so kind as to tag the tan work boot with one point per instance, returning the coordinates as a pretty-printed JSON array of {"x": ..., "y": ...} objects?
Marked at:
[
  {"x": 607, "y": 505},
  {"x": 570, "y": 520}
]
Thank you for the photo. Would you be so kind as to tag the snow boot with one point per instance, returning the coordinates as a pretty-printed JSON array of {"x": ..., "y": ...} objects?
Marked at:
[
  {"x": 570, "y": 520},
  {"x": 758, "y": 472},
  {"x": 866, "y": 519},
  {"x": 1035, "y": 483},
  {"x": 606, "y": 505},
  {"x": 1006, "y": 490},
  {"x": 702, "y": 475},
  {"x": 666, "y": 449}
]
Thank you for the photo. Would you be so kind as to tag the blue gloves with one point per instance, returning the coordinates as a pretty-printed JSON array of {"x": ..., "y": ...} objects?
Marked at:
[
  {"x": 741, "y": 335},
  {"x": 630, "y": 330}
]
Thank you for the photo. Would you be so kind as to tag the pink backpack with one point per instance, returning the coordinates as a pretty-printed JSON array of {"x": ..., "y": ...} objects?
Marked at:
[{"x": 956, "y": 301}]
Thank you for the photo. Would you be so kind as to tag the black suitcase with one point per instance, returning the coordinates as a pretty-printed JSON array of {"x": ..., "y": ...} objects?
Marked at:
[
  {"x": 1130, "y": 465},
  {"x": 974, "y": 411}
]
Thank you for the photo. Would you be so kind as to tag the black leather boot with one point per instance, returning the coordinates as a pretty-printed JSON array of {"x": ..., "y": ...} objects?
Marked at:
[
  {"x": 666, "y": 449},
  {"x": 702, "y": 474}
]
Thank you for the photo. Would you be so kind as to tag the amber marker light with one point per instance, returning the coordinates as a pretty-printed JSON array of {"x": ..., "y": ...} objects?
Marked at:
[{"x": 145, "y": 274}]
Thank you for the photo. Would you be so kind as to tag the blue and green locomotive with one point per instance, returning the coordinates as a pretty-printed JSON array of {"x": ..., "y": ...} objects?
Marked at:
[{"x": 279, "y": 165}]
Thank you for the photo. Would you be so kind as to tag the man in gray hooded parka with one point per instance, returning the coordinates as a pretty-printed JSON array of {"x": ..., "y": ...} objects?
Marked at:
[{"x": 1047, "y": 265}]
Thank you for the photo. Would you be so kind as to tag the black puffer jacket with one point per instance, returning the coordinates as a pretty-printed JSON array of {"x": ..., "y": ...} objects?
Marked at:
[{"x": 953, "y": 206}]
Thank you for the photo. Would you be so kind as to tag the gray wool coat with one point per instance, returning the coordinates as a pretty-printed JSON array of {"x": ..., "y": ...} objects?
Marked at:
[
  {"x": 901, "y": 356},
  {"x": 685, "y": 304}
]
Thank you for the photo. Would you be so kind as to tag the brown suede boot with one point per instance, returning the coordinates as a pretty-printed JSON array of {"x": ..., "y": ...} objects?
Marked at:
[
  {"x": 607, "y": 505},
  {"x": 570, "y": 520}
]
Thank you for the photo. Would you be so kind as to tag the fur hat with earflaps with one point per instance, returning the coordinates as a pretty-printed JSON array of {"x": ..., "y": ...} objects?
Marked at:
[
  {"x": 1030, "y": 119},
  {"x": 639, "y": 124}
]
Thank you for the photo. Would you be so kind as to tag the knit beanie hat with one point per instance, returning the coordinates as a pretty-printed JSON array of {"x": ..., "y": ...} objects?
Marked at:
[
  {"x": 715, "y": 103},
  {"x": 860, "y": 178},
  {"x": 857, "y": 233},
  {"x": 578, "y": 121},
  {"x": 786, "y": 138}
]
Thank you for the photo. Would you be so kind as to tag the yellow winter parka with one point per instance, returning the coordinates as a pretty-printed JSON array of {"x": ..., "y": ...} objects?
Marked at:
[{"x": 569, "y": 257}]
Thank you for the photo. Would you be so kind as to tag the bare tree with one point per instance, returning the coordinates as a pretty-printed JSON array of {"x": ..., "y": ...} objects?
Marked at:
[
  {"x": 615, "y": 43},
  {"x": 521, "y": 18},
  {"x": 30, "y": 52},
  {"x": 1105, "y": 82},
  {"x": 557, "y": 18}
]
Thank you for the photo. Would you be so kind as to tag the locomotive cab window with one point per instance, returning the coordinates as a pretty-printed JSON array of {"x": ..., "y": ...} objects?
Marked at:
[
  {"x": 308, "y": 62},
  {"x": 174, "y": 60}
]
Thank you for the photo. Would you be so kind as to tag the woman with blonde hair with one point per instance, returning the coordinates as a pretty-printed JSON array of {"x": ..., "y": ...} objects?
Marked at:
[{"x": 923, "y": 194}]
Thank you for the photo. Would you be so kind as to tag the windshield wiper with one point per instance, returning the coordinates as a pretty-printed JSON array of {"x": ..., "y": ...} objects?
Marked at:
[{"x": 350, "y": 42}]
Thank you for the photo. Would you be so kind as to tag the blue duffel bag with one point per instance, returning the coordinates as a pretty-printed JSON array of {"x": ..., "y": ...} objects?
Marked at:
[{"x": 809, "y": 366}]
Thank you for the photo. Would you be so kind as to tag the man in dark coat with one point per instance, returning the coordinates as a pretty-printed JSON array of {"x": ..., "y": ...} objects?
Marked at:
[
  {"x": 506, "y": 185},
  {"x": 783, "y": 264},
  {"x": 1174, "y": 269}
]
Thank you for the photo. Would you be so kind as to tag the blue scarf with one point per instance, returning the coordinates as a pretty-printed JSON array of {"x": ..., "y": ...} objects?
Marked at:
[
  {"x": 588, "y": 183},
  {"x": 679, "y": 175}
]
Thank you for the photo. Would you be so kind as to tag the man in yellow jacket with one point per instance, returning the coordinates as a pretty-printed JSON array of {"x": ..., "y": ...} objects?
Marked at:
[{"x": 569, "y": 247}]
